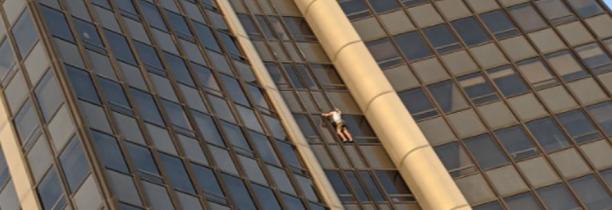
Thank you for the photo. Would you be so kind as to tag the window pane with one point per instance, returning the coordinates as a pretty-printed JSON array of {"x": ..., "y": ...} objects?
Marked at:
[
  {"x": 175, "y": 171},
  {"x": 149, "y": 57},
  {"x": 26, "y": 123},
  {"x": 49, "y": 95},
  {"x": 548, "y": 134},
  {"x": 557, "y": 197},
  {"x": 89, "y": 34},
  {"x": 178, "y": 68},
  {"x": 238, "y": 192},
  {"x": 455, "y": 159},
  {"x": 412, "y": 45},
  {"x": 566, "y": 66},
  {"x": 371, "y": 186},
  {"x": 339, "y": 186},
  {"x": 206, "y": 78},
  {"x": 359, "y": 191},
  {"x": 25, "y": 33},
  {"x": 595, "y": 58},
  {"x": 477, "y": 88},
  {"x": 442, "y": 38},
  {"x": 298, "y": 28},
  {"x": 508, "y": 81},
  {"x": 578, "y": 126},
  {"x": 206, "y": 37},
  {"x": 120, "y": 47},
  {"x": 176, "y": 114},
  {"x": 499, "y": 24},
  {"x": 585, "y": 8},
  {"x": 234, "y": 134},
  {"x": 555, "y": 11},
  {"x": 115, "y": 95},
  {"x": 146, "y": 106},
  {"x": 142, "y": 159},
  {"x": 82, "y": 84},
  {"x": 207, "y": 180},
  {"x": 208, "y": 129},
  {"x": 50, "y": 192},
  {"x": 486, "y": 152},
  {"x": 418, "y": 104},
  {"x": 108, "y": 151},
  {"x": 56, "y": 23},
  {"x": 448, "y": 96},
  {"x": 6, "y": 58},
  {"x": 517, "y": 143},
  {"x": 537, "y": 74},
  {"x": 602, "y": 114},
  {"x": 151, "y": 14},
  {"x": 393, "y": 183},
  {"x": 470, "y": 31},
  {"x": 527, "y": 18},
  {"x": 355, "y": 8},
  {"x": 383, "y": 5},
  {"x": 384, "y": 52},
  {"x": 74, "y": 163},
  {"x": 524, "y": 201},
  {"x": 178, "y": 24},
  {"x": 592, "y": 194}
]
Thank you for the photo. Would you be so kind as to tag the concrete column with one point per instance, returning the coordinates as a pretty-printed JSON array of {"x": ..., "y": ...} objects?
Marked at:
[
  {"x": 291, "y": 127},
  {"x": 400, "y": 135},
  {"x": 16, "y": 162}
]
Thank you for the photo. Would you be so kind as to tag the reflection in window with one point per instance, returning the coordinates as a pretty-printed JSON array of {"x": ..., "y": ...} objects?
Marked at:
[
  {"x": 470, "y": 31},
  {"x": 206, "y": 36},
  {"x": 485, "y": 151},
  {"x": 208, "y": 182},
  {"x": 49, "y": 95},
  {"x": 557, "y": 197},
  {"x": 384, "y": 52},
  {"x": 143, "y": 161},
  {"x": 595, "y": 58},
  {"x": 578, "y": 126},
  {"x": 499, "y": 24},
  {"x": 179, "y": 69},
  {"x": 119, "y": 46},
  {"x": 89, "y": 34},
  {"x": 585, "y": 8},
  {"x": 238, "y": 193},
  {"x": 149, "y": 57},
  {"x": 74, "y": 163},
  {"x": 108, "y": 151},
  {"x": 360, "y": 193},
  {"x": 527, "y": 18},
  {"x": 566, "y": 66},
  {"x": 298, "y": 28},
  {"x": 175, "y": 171},
  {"x": 114, "y": 95},
  {"x": 393, "y": 183},
  {"x": 206, "y": 78},
  {"x": 418, "y": 104},
  {"x": 266, "y": 197},
  {"x": 592, "y": 194},
  {"x": 517, "y": 143},
  {"x": 339, "y": 185},
  {"x": 151, "y": 14},
  {"x": 355, "y": 8},
  {"x": 50, "y": 191},
  {"x": 522, "y": 201},
  {"x": 442, "y": 38},
  {"x": 146, "y": 106},
  {"x": 383, "y": 5},
  {"x": 25, "y": 33},
  {"x": 507, "y": 81},
  {"x": 548, "y": 134},
  {"x": 177, "y": 116},
  {"x": 26, "y": 123},
  {"x": 477, "y": 88},
  {"x": 56, "y": 23},
  {"x": 178, "y": 24},
  {"x": 208, "y": 129},
  {"x": 455, "y": 159},
  {"x": 412, "y": 45},
  {"x": 602, "y": 114},
  {"x": 537, "y": 74},
  {"x": 6, "y": 58},
  {"x": 448, "y": 96}
]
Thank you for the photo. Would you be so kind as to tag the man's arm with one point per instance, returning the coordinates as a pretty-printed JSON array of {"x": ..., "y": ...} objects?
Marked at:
[{"x": 326, "y": 114}]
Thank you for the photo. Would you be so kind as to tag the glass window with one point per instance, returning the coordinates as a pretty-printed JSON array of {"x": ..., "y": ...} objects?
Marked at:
[
  {"x": 384, "y": 5},
  {"x": 25, "y": 33},
  {"x": 555, "y": 11},
  {"x": 179, "y": 69},
  {"x": 82, "y": 84},
  {"x": 50, "y": 191},
  {"x": 263, "y": 146},
  {"x": 176, "y": 114},
  {"x": 355, "y": 8},
  {"x": 454, "y": 158},
  {"x": 230, "y": 44},
  {"x": 178, "y": 24},
  {"x": 151, "y": 14},
  {"x": 412, "y": 45},
  {"x": 326, "y": 75},
  {"x": 293, "y": 203},
  {"x": 478, "y": 88},
  {"x": 517, "y": 143},
  {"x": 557, "y": 197},
  {"x": 149, "y": 57},
  {"x": 384, "y": 52},
  {"x": 371, "y": 186},
  {"x": 508, "y": 81},
  {"x": 579, "y": 126},
  {"x": 448, "y": 96},
  {"x": 339, "y": 186},
  {"x": 207, "y": 181},
  {"x": 486, "y": 152},
  {"x": 566, "y": 66},
  {"x": 4, "y": 171},
  {"x": 494, "y": 205},
  {"x": 289, "y": 154},
  {"x": 206, "y": 37},
  {"x": 115, "y": 95},
  {"x": 594, "y": 58},
  {"x": 221, "y": 108},
  {"x": 126, "y": 7},
  {"x": 357, "y": 189},
  {"x": 442, "y": 38},
  {"x": 89, "y": 34},
  {"x": 233, "y": 88},
  {"x": 522, "y": 201},
  {"x": 74, "y": 163},
  {"x": 298, "y": 28},
  {"x": 499, "y": 24},
  {"x": 206, "y": 78},
  {"x": 602, "y": 115},
  {"x": 234, "y": 134},
  {"x": 393, "y": 183},
  {"x": 537, "y": 74},
  {"x": 591, "y": 192},
  {"x": 142, "y": 159},
  {"x": 585, "y": 8},
  {"x": 418, "y": 104},
  {"x": 527, "y": 18},
  {"x": 470, "y": 31},
  {"x": 49, "y": 95},
  {"x": 103, "y": 3},
  {"x": 56, "y": 23},
  {"x": 26, "y": 123},
  {"x": 266, "y": 197},
  {"x": 208, "y": 129},
  {"x": 119, "y": 46},
  {"x": 548, "y": 134},
  {"x": 238, "y": 193},
  {"x": 146, "y": 106},
  {"x": 175, "y": 171},
  {"x": 108, "y": 150},
  {"x": 7, "y": 60}
]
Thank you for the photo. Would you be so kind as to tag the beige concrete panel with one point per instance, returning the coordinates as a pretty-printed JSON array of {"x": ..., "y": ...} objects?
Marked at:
[{"x": 293, "y": 130}]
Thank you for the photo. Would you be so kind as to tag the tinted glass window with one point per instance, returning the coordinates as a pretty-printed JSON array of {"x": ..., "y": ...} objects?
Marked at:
[
  {"x": 25, "y": 33},
  {"x": 82, "y": 84},
  {"x": 418, "y": 104},
  {"x": 470, "y": 31},
  {"x": 74, "y": 163},
  {"x": 208, "y": 129},
  {"x": 49, "y": 95},
  {"x": 26, "y": 122},
  {"x": 454, "y": 159},
  {"x": 591, "y": 192},
  {"x": 6, "y": 58},
  {"x": 412, "y": 45},
  {"x": 557, "y": 197},
  {"x": 179, "y": 69},
  {"x": 50, "y": 192},
  {"x": 594, "y": 58},
  {"x": 149, "y": 57},
  {"x": 442, "y": 38},
  {"x": 108, "y": 151},
  {"x": 119, "y": 46},
  {"x": 393, "y": 183},
  {"x": 478, "y": 88},
  {"x": 175, "y": 170},
  {"x": 548, "y": 134},
  {"x": 516, "y": 142},
  {"x": 152, "y": 15},
  {"x": 486, "y": 152},
  {"x": 176, "y": 114},
  {"x": 586, "y": 8},
  {"x": 383, "y": 5},
  {"x": 238, "y": 192},
  {"x": 554, "y": 10},
  {"x": 207, "y": 180},
  {"x": 527, "y": 18},
  {"x": 508, "y": 81},
  {"x": 522, "y": 201},
  {"x": 114, "y": 94},
  {"x": 89, "y": 34},
  {"x": 499, "y": 24},
  {"x": 178, "y": 24},
  {"x": 206, "y": 37},
  {"x": 142, "y": 159},
  {"x": 384, "y": 52},
  {"x": 602, "y": 114},
  {"x": 56, "y": 23},
  {"x": 146, "y": 106},
  {"x": 355, "y": 8},
  {"x": 578, "y": 126},
  {"x": 266, "y": 197},
  {"x": 448, "y": 96}
]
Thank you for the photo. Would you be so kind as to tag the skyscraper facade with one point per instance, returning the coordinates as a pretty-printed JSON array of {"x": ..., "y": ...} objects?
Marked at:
[{"x": 216, "y": 104}]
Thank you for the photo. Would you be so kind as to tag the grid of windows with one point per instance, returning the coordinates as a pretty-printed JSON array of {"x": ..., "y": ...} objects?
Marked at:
[
  {"x": 361, "y": 173},
  {"x": 511, "y": 94}
]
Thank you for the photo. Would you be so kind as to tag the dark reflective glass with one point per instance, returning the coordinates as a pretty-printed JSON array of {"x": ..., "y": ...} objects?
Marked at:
[
  {"x": 478, "y": 88},
  {"x": 418, "y": 104},
  {"x": 50, "y": 191},
  {"x": 178, "y": 24},
  {"x": 6, "y": 58},
  {"x": 151, "y": 14},
  {"x": 359, "y": 191},
  {"x": 524, "y": 201},
  {"x": 82, "y": 84},
  {"x": 339, "y": 185},
  {"x": 146, "y": 106},
  {"x": 579, "y": 126},
  {"x": 120, "y": 47},
  {"x": 470, "y": 31},
  {"x": 371, "y": 186},
  {"x": 49, "y": 95},
  {"x": 486, "y": 152},
  {"x": 175, "y": 171},
  {"x": 548, "y": 134},
  {"x": 384, "y": 52},
  {"x": 74, "y": 163},
  {"x": 448, "y": 96},
  {"x": 4, "y": 172},
  {"x": 114, "y": 95},
  {"x": 207, "y": 180},
  {"x": 499, "y": 24},
  {"x": 266, "y": 197},
  {"x": 263, "y": 146},
  {"x": 176, "y": 114},
  {"x": 517, "y": 143},
  {"x": 56, "y": 23},
  {"x": 26, "y": 123},
  {"x": 602, "y": 114},
  {"x": 557, "y": 197},
  {"x": 454, "y": 158},
  {"x": 293, "y": 203},
  {"x": 142, "y": 159},
  {"x": 441, "y": 38},
  {"x": 149, "y": 57},
  {"x": 178, "y": 67},
  {"x": 238, "y": 193},
  {"x": 508, "y": 81},
  {"x": 591, "y": 192},
  {"x": 88, "y": 33},
  {"x": 586, "y": 8},
  {"x": 412, "y": 45},
  {"x": 25, "y": 33},
  {"x": 384, "y": 5},
  {"x": 206, "y": 36},
  {"x": 108, "y": 151},
  {"x": 355, "y": 8},
  {"x": 393, "y": 183}
]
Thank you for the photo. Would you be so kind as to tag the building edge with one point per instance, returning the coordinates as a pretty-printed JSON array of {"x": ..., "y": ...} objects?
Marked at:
[
  {"x": 398, "y": 132},
  {"x": 325, "y": 188}
]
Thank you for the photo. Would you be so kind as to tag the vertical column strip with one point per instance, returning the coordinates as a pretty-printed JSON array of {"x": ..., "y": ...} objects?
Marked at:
[
  {"x": 293, "y": 130},
  {"x": 398, "y": 132}
]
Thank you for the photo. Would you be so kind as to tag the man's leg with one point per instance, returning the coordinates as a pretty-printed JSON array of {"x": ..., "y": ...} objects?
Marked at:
[
  {"x": 341, "y": 134},
  {"x": 347, "y": 134}
]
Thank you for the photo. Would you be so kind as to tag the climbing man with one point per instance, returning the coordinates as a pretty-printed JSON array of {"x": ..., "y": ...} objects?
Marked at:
[{"x": 335, "y": 116}]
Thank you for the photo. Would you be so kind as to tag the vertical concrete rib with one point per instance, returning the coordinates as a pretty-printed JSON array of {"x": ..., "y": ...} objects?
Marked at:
[
  {"x": 400, "y": 135},
  {"x": 293, "y": 130}
]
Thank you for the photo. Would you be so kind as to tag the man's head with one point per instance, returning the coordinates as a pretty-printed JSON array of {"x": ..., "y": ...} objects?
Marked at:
[{"x": 336, "y": 109}]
